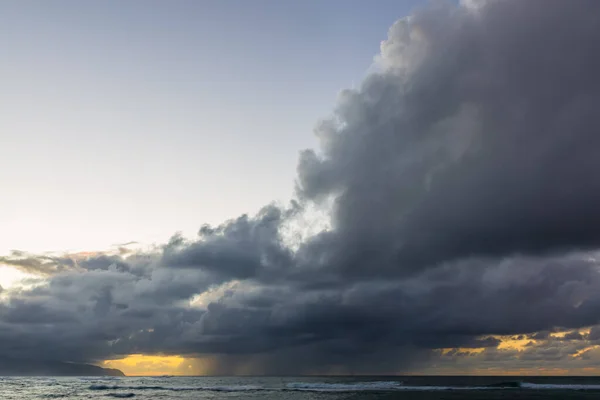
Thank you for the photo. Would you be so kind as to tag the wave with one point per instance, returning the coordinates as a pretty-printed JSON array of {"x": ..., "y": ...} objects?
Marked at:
[
  {"x": 398, "y": 386},
  {"x": 233, "y": 388},
  {"x": 543, "y": 386},
  {"x": 296, "y": 386},
  {"x": 553, "y": 386},
  {"x": 99, "y": 378},
  {"x": 378, "y": 386},
  {"x": 505, "y": 385},
  {"x": 345, "y": 387},
  {"x": 121, "y": 395}
]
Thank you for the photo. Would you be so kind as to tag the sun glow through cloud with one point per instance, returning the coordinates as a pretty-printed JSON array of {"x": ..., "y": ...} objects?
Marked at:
[
  {"x": 146, "y": 365},
  {"x": 10, "y": 277}
]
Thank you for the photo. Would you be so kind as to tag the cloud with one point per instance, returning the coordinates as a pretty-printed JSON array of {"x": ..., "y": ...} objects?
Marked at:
[
  {"x": 487, "y": 146},
  {"x": 462, "y": 184},
  {"x": 37, "y": 264}
]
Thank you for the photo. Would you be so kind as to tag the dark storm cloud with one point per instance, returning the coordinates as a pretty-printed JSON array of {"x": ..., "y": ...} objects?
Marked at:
[
  {"x": 540, "y": 335},
  {"x": 486, "y": 146},
  {"x": 242, "y": 248},
  {"x": 464, "y": 189},
  {"x": 574, "y": 335}
]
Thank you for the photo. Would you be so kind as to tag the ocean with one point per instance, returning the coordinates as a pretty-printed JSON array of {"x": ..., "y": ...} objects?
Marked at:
[{"x": 300, "y": 388}]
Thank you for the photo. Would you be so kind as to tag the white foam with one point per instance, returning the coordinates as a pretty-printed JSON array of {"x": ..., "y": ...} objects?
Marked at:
[
  {"x": 553, "y": 386},
  {"x": 236, "y": 388},
  {"x": 376, "y": 386},
  {"x": 344, "y": 387},
  {"x": 347, "y": 387},
  {"x": 99, "y": 378},
  {"x": 233, "y": 388}
]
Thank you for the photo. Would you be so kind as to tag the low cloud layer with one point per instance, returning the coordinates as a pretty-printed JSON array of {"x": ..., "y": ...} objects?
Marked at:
[{"x": 461, "y": 181}]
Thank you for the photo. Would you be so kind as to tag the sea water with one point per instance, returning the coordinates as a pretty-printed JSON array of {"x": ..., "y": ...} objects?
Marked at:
[{"x": 300, "y": 388}]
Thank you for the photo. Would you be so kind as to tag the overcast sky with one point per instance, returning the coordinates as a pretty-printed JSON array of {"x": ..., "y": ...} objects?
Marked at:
[{"x": 376, "y": 188}]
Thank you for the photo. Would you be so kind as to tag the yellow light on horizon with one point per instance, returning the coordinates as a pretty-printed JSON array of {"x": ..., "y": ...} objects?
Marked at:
[{"x": 147, "y": 365}]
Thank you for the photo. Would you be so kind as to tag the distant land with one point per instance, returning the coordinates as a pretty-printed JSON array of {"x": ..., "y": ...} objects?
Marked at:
[{"x": 12, "y": 367}]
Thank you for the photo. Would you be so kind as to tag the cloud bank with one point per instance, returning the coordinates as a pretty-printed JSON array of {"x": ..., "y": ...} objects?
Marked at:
[{"x": 461, "y": 182}]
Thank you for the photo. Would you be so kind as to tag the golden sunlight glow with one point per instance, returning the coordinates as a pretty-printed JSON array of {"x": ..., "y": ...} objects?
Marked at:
[
  {"x": 469, "y": 351},
  {"x": 139, "y": 364},
  {"x": 585, "y": 331},
  {"x": 561, "y": 334},
  {"x": 581, "y": 352},
  {"x": 513, "y": 343}
]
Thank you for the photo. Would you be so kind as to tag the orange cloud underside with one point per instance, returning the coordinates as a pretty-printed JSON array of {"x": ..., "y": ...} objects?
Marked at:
[
  {"x": 139, "y": 364},
  {"x": 514, "y": 343}
]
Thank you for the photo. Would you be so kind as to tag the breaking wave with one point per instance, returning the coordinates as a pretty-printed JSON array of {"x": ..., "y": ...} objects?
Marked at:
[
  {"x": 396, "y": 386},
  {"x": 233, "y": 388},
  {"x": 552, "y": 386},
  {"x": 346, "y": 387},
  {"x": 543, "y": 386},
  {"x": 99, "y": 378}
]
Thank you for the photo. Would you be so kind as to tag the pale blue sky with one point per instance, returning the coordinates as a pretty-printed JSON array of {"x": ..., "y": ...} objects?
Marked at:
[{"x": 130, "y": 120}]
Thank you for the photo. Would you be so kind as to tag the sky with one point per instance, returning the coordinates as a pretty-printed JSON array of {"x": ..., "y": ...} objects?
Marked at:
[
  {"x": 131, "y": 121},
  {"x": 203, "y": 187}
]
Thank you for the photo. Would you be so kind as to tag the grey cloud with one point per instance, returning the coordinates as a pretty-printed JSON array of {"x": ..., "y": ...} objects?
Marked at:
[
  {"x": 243, "y": 248},
  {"x": 540, "y": 335},
  {"x": 594, "y": 334},
  {"x": 126, "y": 244},
  {"x": 574, "y": 335}
]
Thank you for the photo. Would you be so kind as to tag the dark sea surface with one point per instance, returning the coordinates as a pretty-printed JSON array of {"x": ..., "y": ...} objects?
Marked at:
[{"x": 301, "y": 388}]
